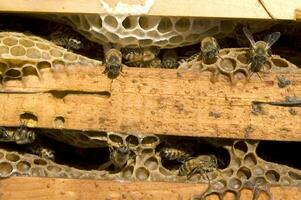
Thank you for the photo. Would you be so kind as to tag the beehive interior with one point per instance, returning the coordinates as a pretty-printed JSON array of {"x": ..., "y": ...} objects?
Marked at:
[{"x": 29, "y": 46}]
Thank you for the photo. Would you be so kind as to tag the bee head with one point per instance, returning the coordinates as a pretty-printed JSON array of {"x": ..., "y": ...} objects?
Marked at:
[{"x": 123, "y": 150}]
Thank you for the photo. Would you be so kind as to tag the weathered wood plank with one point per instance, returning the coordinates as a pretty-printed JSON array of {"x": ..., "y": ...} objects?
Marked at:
[{"x": 156, "y": 101}]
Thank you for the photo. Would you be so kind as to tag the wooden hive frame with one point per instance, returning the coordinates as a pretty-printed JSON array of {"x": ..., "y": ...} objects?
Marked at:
[{"x": 142, "y": 87}]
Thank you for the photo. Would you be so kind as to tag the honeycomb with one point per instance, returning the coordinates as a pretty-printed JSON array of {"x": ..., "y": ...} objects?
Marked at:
[
  {"x": 244, "y": 170},
  {"x": 24, "y": 55},
  {"x": 233, "y": 64}
]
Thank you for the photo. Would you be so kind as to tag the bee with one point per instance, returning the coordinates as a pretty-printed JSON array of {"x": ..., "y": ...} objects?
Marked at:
[
  {"x": 201, "y": 164},
  {"x": 209, "y": 48},
  {"x": 171, "y": 153},
  {"x": 140, "y": 56},
  {"x": 170, "y": 59},
  {"x": 260, "y": 51},
  {"x": 119, "y": 158},
  {"x": 41, "y": 150},
  {"x": 113, "y": 63},
  {"x": 21, "y": 135}
]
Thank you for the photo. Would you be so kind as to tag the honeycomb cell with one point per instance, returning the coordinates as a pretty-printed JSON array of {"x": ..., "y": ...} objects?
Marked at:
[
  {"x": 70, "y": 57},
  {"x": 294, "y": 175},
  {"x": 147, "y": 151},
  {"x": 142, "y": 173},
  {"x": 151, "y": 163},
  {"x": 145, "y": 42},
  {"x": 227, "y": 65},
  {"x": 150, "y": 140},
  {"x": 37, "y": 171},
  {"x": 228, "y": 172},
  {"x": 219, "y": 185},
  {"x": 224, "y": 52},
  {"x": 235, "y": 183},
  {"x": 182, "y": 25},
  {"x": 111, "y": 21},
  {"x": 17, "y": 51},
  {"x": 132, "y": 140},
  {"x": 176, "y": 39},
  {"x": 29, "y": 71},
  {"x": 56, "y": 53},
  {"x": 33, "y": 53},
  {"x": 43, "y": 65},
  {"x": 58, "y": 64},
  {"x": 115, "y": 138},
  {"x": 129, "y": 22},
  {"x": 4, "y": 49},
  {"x": 75, "y": 174},
  {"x": 26, "y": 43},
  {"x": 235, "y": 163},
  {"x": 147, "y": 23},
  {"x": 128, "y": 172},
  {"x": 250, "y": 160},
  {"x": 10, "y": 41},
  {"x": 279, "y": 62},
  {"x": 13, "y": 73},
  {"x": 240, "y": 148},
  {"x": 54, "y": 169},
  {"x": 12, "y": 157},
  {"x": 244, "y": 173},
  {"x": 272, "y": 176},
  {"x": 231, "y": 195},
  {"x": 5, "y": 169},
  {"x": 285, "y": 180},
  {"x": 45, "y": 55},
  {"x": 42, "y": 46},
  {"x": 192, "y": 37},
  {"x": 3, "y": 67},
  {"x": 165, "y": 25},
  {"x": 23, "y": 166},
  {"x": 1, "y": 155},
  {"x": 243, "y": 58},
  {"x": 112, "y": 36},
  {"x": 39, "y": 162}
]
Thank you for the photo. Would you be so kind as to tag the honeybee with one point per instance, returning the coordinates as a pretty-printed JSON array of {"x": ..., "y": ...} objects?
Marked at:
[
  {"x": 140, "y": 56},
  {"x": 21, "y": 135},
  {"x": 41, "y": 150},
  {"x": 260, "y": 51},
  {"x": 170, "y": 59},
  {"x": 113, "y": 63},
  {"x": 209, "y": 48},
  {"x": 119, "y": 158},
  {"x": 171, "y": 153},
  {"x": 201, "y": 164}
]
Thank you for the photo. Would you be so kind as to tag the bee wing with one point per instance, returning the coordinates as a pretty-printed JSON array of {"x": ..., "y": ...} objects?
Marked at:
[
  {"x": 248, "y": 34},
  {"x": 272, "y": 38}
]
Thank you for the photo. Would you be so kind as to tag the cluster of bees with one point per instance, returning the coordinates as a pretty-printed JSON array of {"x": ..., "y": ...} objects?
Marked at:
[{"x": 259, "y": 53}]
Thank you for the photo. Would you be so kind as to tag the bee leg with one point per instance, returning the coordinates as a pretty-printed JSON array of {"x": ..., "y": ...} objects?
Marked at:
[
  {"x": 105, "y": 165},
  {"x": 259, "y": 76}
]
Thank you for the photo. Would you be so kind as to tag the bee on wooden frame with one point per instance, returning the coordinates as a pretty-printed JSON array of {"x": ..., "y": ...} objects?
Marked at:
[
  {"x": 113, "y": 63},
  {"x": 139, "y": 57},
  {"x": 260, "y": 51}
]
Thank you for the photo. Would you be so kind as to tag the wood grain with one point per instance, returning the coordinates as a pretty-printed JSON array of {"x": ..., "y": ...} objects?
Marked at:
[
  {"x": 18, "y": 188},
  {"x": 156, "y": 101},
  {"x": 249, "y": 9}
]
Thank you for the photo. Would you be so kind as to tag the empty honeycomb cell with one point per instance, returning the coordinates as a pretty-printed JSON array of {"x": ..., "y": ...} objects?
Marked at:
[
  {"x": 112, "y": 36},
  {"x": 13, "y": 73},
  {"x": 1, "y": 155},
  {"x": 26, "y": 43},
  {"x": 258, "y": 171},
  {"x": 111, "y": 21},
  {"x": 94, "y": 19},
  {"x": 147, "y": 151},
  {"x": 284, "y": 180},
  {"x": 153, "y": 33},
  {"x": 42, "y": 46},
  {"x": 33, "y": 53},
  {"x": 235, "y": 183},
  {"x": 145, "y": 42},
  {"x": 240, "y": 148},
  {"x": 58, "y": 64},
  {"x": 279, "y": 62},
  {"x": 294, "y": 175},
  {"x": 132, "y": 140},
  {"x": 129, "y": 39},
  {"x": 147, "y": 23},
  {"x": 56, "y": 53},
  {"x": 228, "y": 172},
  {"x": 10, "y": 41},
  {"x": 235, "y": 162},
  {"x": 39, "y": 162},
  {"x": 142, "y": 173},
  {"x": 3, "y": 67},
  {"x": 250, "y": 160},
  {"x": 272, "y": 176},
  {"x": 45, "y": 55},
  {"x": 70, "y": 57},
  {"x": 127, "y": 172},
  {"x": 151, "y": 163},
  {"x": 176, "y": 39},
  {"x": 43, "y": 65},
  {"x": 240, "y": 74},
  {"x": 116, "y": 138},
  {"x": 150, "y": 141},
  {"x": 39, "y": 172},
  {"x": 244, "y": 173},
  {"x": 54, "y": 169},
  {"x": 165, "y": 25},
  {"x": 219, "y": 185},
  {"x": 224, "y": 52},
  {"x": 227, "y": 65},
  {"x": 161, "y": 42},
  {"x": 182, "y": 25},
  {"x": 243, "y": 58},
  {"x": 5, "y": 169},
  {"x": 4, "y": 49},
  {"x": 29, "y": 71},
  {"x": 75, "y": 174},
  {"x": 12, "y": 157},
  {"x": 17, "y": 51},
  {"x": 23, "y": 166},
  {"x": 59, "y": 121}
]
